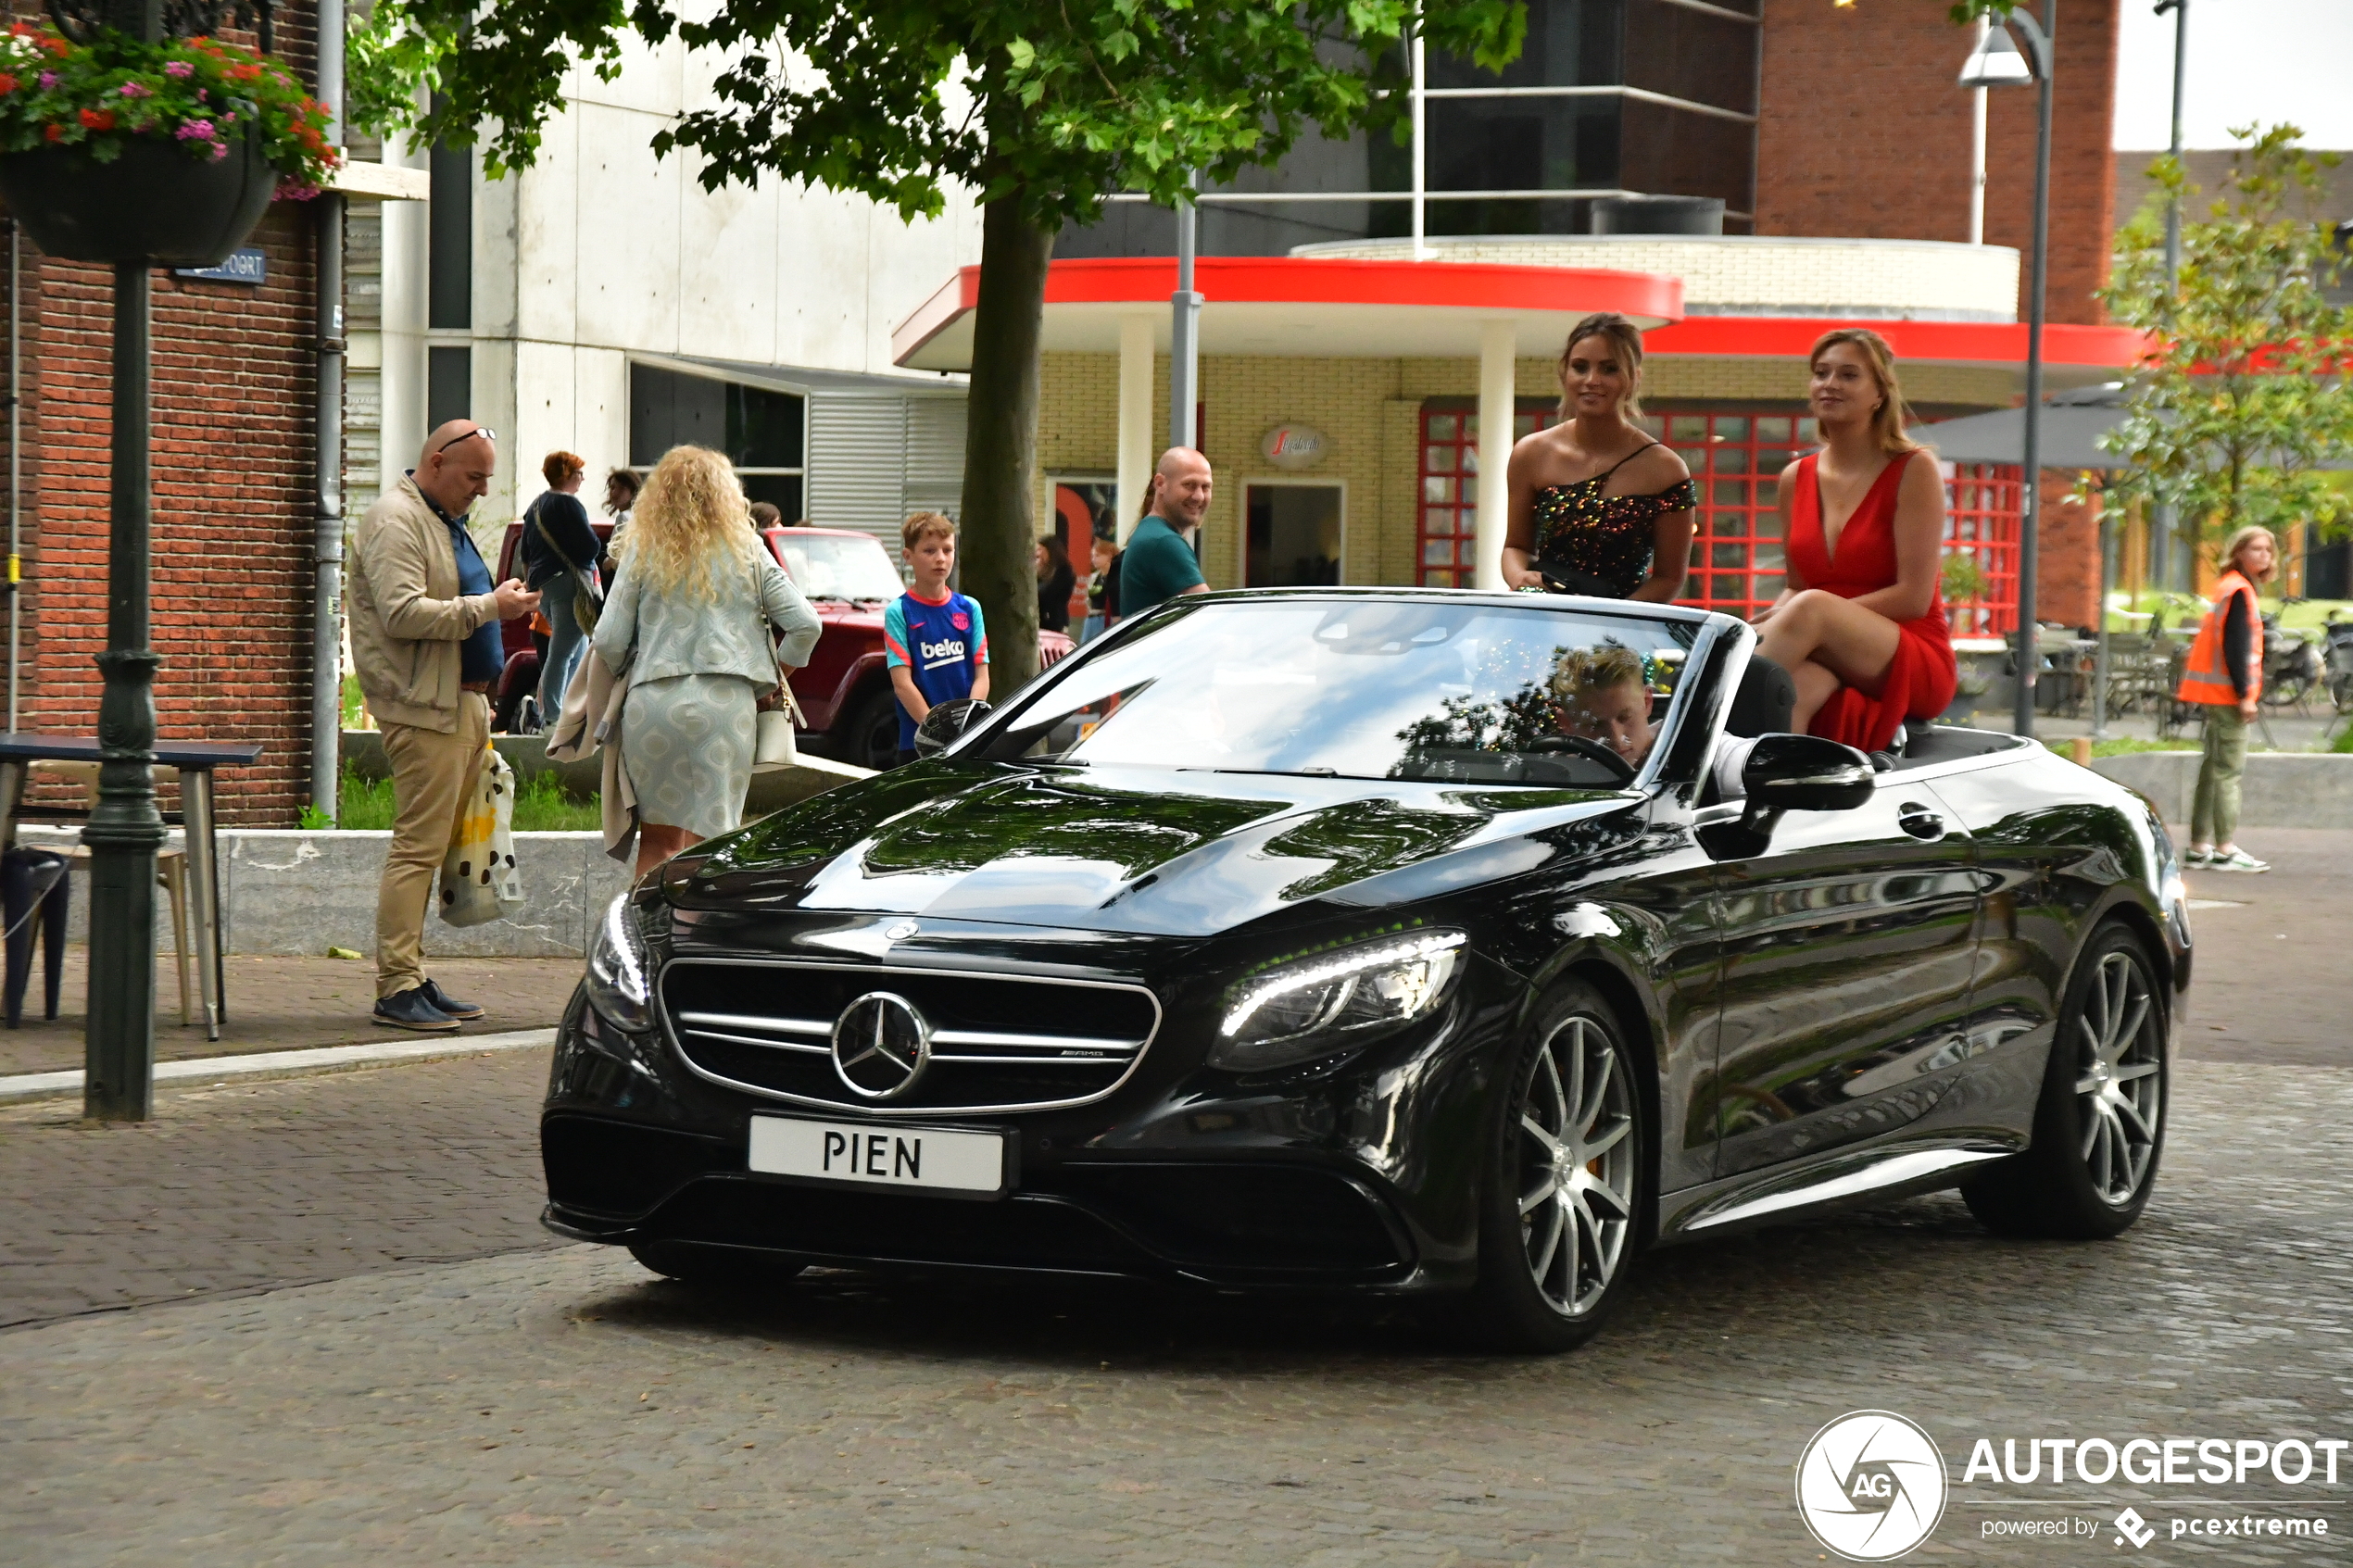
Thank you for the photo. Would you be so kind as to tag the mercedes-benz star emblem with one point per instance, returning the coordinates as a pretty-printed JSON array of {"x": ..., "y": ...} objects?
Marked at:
[
  {"x": 881, "y": 1046},
  {"x": 901, "y": 931}
]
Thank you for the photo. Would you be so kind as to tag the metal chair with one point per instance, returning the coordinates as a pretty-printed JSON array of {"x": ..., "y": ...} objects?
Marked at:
[{"x": 171, "y": 874}]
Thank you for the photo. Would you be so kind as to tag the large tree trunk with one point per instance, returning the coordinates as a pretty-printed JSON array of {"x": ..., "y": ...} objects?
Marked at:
[{"x": 998, "y": 532}]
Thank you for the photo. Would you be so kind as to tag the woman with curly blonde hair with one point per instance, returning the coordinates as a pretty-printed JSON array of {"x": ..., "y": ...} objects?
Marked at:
[{"x": 688, "y": 626}]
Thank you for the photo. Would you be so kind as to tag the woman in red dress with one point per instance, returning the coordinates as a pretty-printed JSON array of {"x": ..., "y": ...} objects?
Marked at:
[{"x": 1861, "y": 627}]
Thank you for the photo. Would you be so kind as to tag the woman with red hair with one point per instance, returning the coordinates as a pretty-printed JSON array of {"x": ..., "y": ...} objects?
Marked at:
[{"x": 1860, "y": 626}]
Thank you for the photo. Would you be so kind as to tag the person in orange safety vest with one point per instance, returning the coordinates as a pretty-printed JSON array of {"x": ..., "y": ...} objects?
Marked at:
[{"x": 2224, "y": 675}]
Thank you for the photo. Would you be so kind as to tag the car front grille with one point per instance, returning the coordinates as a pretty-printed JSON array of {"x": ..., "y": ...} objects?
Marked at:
[{"x": 996, "y": 1042}]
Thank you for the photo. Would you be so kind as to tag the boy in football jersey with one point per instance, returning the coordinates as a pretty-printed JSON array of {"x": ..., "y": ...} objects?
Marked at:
[{"x": 934, "y": 643}]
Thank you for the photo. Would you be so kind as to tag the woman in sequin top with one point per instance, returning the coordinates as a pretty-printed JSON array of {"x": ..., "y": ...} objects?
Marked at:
[{"x": 1596, "y": 506}]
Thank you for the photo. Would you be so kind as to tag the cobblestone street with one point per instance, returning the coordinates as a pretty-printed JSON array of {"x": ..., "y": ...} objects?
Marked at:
[{"x": 544, "y": 1404}]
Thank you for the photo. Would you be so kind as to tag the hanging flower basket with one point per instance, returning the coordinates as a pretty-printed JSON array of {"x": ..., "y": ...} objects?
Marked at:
[{"x": 163, "y": 153}]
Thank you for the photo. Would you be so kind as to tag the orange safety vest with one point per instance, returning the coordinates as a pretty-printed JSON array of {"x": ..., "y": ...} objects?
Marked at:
[{"x": 2204, "y": 678}]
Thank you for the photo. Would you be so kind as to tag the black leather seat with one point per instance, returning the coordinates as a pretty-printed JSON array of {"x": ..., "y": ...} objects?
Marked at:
[{"x": 1763, "y": 704}]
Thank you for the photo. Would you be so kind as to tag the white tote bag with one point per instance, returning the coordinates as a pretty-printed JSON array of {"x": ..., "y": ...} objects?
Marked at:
[
  {"x": 479, "y": 882},
  {"x": 777, "y": 746}
]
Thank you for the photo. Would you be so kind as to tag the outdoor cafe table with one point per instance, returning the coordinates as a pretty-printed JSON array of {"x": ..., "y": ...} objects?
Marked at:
[{"x": 196, "y": 760}]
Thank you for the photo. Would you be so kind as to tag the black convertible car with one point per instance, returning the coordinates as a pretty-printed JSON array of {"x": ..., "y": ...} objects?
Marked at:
[{"x": 1414, "y": 942}]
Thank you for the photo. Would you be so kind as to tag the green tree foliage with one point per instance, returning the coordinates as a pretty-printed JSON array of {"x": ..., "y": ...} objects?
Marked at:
[
  {"x": 1040, "y": 110},
  {"x": 2238, "y": 403}
]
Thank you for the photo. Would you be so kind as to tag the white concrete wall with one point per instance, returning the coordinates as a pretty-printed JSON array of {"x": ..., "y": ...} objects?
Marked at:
[
  {"x": 1749, "y": 275},
  {"x": 601, "y": 250}
]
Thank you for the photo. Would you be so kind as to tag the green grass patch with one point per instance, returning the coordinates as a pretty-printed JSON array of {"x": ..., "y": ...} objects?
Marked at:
[
  {"x": 541, "y": 806},
  {"x": 2122, "y": 746},
  {"x": 2343, "y": 744}
]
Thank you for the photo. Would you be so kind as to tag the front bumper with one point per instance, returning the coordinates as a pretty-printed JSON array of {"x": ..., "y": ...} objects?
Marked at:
[{"x": 1361, "y": 1176}]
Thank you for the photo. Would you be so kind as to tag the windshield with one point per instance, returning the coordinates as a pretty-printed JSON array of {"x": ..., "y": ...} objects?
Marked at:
[
  {"x": 1431, "y": 689},
  {"x": 839, "y": 566}
]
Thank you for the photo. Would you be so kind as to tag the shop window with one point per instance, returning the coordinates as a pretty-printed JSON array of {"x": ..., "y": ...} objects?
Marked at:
[
  {"x": 1738, "y": 564},
  {"x": 1446, "y": 528},
  {"x": 1294, "y": 535},
  {"x": 763, "y": 433},
  {"x": 1738, "y": 560},
  {"x": 1982, "y": 505}
]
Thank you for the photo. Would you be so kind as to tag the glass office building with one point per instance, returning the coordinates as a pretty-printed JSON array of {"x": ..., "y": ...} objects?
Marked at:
[{"x": 1609, "y": 98}]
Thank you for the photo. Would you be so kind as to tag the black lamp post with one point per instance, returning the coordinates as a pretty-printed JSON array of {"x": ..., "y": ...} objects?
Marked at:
[
  {"x": 1997, "y": 63},
  {"x": 125, "y": 828}
]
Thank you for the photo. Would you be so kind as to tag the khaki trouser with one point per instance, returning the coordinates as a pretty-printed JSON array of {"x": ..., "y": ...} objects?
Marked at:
[
  {"x": 431, "y": 776},
  {"x": 2214, "y": 815}
]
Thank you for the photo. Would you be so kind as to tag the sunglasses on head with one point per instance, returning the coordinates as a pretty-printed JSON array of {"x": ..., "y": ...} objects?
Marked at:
[{"x": 484, "y": 431}]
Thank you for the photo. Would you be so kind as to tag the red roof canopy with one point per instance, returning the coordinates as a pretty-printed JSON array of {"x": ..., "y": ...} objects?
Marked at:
[
  {"x": 1322, "y": 307},
  {"x": 1291, "y": 306}
]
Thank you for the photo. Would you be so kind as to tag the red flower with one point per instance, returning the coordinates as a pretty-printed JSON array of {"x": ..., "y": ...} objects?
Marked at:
[
  {"x": 99, "y": 119},
  {"x": 54, "y": 133},
  {"x": 8, "y": 82}
]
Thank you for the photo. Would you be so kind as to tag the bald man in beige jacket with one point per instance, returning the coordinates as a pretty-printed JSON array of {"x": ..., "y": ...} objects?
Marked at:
[{"x": 417, "y": 624}]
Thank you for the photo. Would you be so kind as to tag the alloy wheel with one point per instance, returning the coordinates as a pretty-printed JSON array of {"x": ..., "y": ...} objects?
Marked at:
[
  {"x": 1577, "y": 1153},
  {"x": 2119, "y": 1052}
]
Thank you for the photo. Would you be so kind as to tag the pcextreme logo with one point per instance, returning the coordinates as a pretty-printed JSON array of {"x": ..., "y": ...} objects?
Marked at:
[{"x": 1870, "y": 1485}]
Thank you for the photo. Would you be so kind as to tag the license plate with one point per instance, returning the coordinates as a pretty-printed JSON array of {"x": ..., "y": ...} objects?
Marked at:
[{"x": 925, "y": 1158}]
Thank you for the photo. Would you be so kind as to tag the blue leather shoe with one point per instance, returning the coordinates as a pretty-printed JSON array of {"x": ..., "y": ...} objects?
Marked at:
[
  {"x": 409, "y": 1009},
  {"x": 447, "y": 1003}
]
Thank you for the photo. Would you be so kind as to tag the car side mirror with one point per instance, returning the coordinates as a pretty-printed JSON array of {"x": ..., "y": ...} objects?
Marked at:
[
  {"x": 946, "y": 725},
  {"x": 1805, "y": 774}
]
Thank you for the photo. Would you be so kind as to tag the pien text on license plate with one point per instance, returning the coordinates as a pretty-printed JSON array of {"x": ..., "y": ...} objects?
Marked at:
[{"x": 934, "y": 1159}]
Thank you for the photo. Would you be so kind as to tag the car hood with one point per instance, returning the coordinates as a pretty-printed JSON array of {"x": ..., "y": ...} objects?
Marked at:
[
  {"x": 1145, "y": 850},
  {"x": 865, "y": 614}
]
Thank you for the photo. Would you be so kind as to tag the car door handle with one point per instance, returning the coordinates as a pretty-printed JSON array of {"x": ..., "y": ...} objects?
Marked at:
[{"x": 1920, "y": 822}]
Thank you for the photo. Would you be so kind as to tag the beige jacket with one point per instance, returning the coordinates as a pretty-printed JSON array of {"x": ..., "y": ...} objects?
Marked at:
[{"x": 408, "y": 618}]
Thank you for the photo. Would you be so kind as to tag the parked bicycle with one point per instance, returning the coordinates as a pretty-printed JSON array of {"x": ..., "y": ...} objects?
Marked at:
[
  {"x": 2292, "y": 667},
  {"x": 2337, "y": 663}
]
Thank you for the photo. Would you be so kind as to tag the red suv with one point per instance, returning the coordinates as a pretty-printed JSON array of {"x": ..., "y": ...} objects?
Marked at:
[{"x": 845, "y": 692}]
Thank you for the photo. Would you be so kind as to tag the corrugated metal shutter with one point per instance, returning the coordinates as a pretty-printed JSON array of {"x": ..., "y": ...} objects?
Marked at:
[
  {"x": 857, "y": 462},
  {"x": 935, "y": 454}
]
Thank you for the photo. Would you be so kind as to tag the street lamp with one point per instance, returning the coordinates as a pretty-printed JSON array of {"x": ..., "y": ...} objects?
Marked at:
[
  {"x": 2163, "y": 518},
  {"x": 1995, "y": 62}
]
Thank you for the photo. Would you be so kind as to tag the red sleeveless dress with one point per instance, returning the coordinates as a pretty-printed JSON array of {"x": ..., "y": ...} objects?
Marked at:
[{"x": 1920, "y": 678}]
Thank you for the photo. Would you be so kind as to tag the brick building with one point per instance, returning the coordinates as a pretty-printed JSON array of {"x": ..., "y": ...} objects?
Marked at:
[
  {"x": 233, "y": 379},
  {"x": 1861, "y": 133}
]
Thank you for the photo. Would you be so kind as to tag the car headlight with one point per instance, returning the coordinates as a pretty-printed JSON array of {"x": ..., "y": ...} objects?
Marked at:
[
  {"x": 1333, "y": 1000},
  {"x": 619, "y": 987}
]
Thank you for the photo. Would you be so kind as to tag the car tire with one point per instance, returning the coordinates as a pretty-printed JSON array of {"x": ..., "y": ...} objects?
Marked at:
[
  {"x": 2099, "y": 1124},
  {"x": 725, "y": 1268},
  {"x": 871, "y": 738},
  {"x": 1568, "y": 1173}
]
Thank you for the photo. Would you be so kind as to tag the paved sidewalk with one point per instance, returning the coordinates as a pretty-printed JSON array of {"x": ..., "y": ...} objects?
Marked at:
[
  {"x": 256, "y": 1187},
  {"x": 288, "y": 1004},
  {"x": 2269, "y": 981}
]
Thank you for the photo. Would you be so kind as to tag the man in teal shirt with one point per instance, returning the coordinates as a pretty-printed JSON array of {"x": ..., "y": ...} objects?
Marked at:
[{"x": 1159, "y": 563}]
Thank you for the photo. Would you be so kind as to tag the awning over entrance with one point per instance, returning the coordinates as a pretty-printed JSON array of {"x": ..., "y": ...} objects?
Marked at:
[
  {"x": 2072, "y": 355},
  {"x": 1300, "y": 306}
]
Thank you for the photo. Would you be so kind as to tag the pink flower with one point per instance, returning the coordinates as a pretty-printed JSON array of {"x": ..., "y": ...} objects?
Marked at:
[
  {"x": 204, "y": 94},
  {"x": 179, "y": 69},
  {"x": 133, "y": 90},
  {"x": 220, "y": 151},
  {"x": 196, "y": 131},
  {"x": 48, "y": 80}
]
